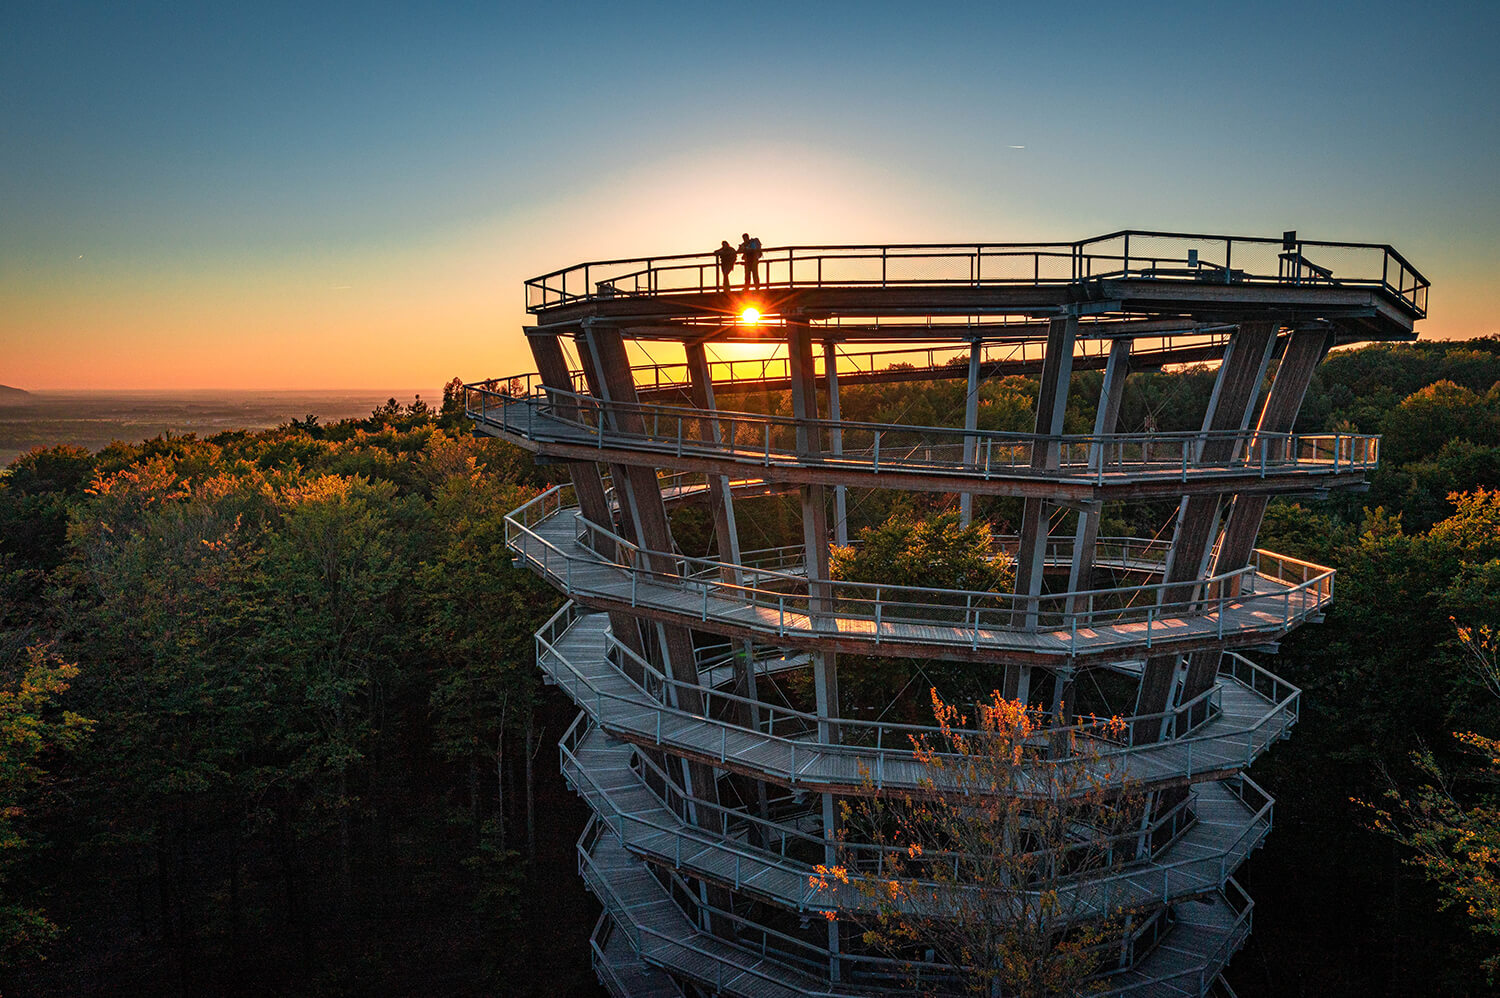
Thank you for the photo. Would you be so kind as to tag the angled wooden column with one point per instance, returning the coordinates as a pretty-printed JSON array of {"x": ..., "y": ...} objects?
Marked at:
[
  {"x": 1106, "y": 418},
  {"x": 588, "y": 484},
  {"x": 720, "y": 497},
  {"x": 836, "y": 441},
  {"x": 1230, "y": 408},
  {"x": 971, "y": 423},
  {"x": 820, "y": 603},
  {"x": 640, "y": 495},
  {"x": 1305, "y": 348},
  {"x": 641, "y": 501},
  {"x": 814, "y": 520},
  {"x": 726, "y": 534},
  {"x": 1052, "y": 403}
]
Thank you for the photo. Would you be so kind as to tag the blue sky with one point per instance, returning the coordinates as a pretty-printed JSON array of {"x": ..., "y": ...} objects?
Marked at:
[{"x": 329, "y": 196}]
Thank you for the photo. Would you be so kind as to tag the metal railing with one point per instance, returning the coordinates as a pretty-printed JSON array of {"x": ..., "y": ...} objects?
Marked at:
[
  {"x": 626, "y": 982},
  {"x": 1195, "y": 738},
  {"x": 1281, "y": 590},
  {"x": 758, "y": 440},
  {"x": 1125, "y": 255},
  {"x": 1130, "y": 869},
  {"x": 783, "y": 964},
  {"x": 732, "y": 376}
]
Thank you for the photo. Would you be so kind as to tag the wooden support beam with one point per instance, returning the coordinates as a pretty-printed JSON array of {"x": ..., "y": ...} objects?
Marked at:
[
  {"x": 971, "y": 423},
  {"x": 815, "y": 555},
  {"x": 1052, "y": 403},
  {"x": 726, "y": 535},
  {"x": 814, "y": 518},
  {"x": 1106, "y": 418},
  {"x": 836, "y": 441},
  {"x": 588, "y": 484},
  {"x": 1304, "y": 350},
  {"x": 1230, "y": 408}
]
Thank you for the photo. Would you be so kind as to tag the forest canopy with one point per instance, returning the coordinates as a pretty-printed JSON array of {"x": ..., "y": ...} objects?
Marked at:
[{"x": 270, "y": 720}]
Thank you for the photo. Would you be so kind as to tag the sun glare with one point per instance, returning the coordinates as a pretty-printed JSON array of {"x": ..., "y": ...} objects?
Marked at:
[{"x": 750, "y": 316}]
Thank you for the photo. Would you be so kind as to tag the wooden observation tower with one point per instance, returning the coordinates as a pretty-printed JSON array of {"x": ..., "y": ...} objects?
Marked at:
[{"x": 713, "y": 796}]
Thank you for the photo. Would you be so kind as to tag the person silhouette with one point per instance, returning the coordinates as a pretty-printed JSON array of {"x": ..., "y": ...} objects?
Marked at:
[
  {"x": 726, "y": 256},
  {"x": 750, "y": 253}
]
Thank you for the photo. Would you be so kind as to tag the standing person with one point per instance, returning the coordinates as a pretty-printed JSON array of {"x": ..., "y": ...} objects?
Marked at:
[
  {"x": 750, "y": 253},
  {"x": 726, "y": 254}
]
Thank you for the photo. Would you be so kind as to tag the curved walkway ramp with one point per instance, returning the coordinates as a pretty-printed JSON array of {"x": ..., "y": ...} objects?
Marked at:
[
  {"x": 931, "y": 458},
  {"x": 1205, "y": 934},
  {"x": 1249, "y": 710},
  {"x": 622, "y": 971},
  {"x": 1220, "y": 827},
  {"x": 1247, "y": 607}
]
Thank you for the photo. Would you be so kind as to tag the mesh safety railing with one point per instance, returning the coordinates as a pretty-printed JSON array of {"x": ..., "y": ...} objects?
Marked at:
[{"x": 1126, "y": 255}]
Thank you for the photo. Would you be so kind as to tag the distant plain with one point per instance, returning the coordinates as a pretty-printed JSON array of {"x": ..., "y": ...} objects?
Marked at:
[{"x": 94, "y": 419}]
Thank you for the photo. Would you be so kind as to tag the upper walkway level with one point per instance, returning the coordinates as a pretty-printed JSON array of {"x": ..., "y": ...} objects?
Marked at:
[
  {"x": 933, "y": 458},
  {"x": 1140, "y": 271}
]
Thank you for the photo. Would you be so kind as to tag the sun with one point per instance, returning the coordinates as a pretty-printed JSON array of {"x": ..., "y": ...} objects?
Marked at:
[{"x": 750, "y": 316}]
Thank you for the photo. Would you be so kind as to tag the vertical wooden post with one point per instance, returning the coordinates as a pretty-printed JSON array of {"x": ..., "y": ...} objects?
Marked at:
[
  {"x": 971, "y": 423},
  {"x": 820, "y": 604},
  {"x": 836, "y": 441},
  {"x": 1052, "y": 403},
  {"x": 1106, "y": 417},
  {"x": 726, "y": 534}
]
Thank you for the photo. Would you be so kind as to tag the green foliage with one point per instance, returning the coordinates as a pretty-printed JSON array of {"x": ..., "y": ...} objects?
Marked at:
[
  {"x": 935, "y": 552},
  {"x": 297, "y": 645},
  {"x": 978, "y": 874},
  {"x": 33, "y": 728},
  {"x": 1456, "y": 843},
  {"x": 1427, "y": 420}
]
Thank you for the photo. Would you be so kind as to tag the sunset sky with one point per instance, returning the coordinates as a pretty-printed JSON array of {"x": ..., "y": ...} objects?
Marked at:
[{"x": 315, "y": 196}]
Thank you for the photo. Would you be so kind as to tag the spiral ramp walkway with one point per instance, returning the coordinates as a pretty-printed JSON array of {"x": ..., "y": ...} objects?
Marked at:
[{"x": 713, "y": 803}]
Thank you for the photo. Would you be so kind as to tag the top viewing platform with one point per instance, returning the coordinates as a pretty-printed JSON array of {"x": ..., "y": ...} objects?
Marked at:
[{"x": 1370, "y": 288}]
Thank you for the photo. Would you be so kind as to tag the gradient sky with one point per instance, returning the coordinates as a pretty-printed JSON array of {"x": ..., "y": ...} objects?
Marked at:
[{"x": 315, "y": 196}]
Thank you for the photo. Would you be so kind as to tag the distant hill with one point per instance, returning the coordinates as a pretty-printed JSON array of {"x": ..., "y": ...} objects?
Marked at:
[{"x": 13, "y": 396}]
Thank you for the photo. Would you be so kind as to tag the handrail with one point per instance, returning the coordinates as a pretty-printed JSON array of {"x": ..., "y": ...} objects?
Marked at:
[
  {"x": 762, "y": 440},
  {"x": 976, "y": 617},
  {"x": 753, "y": 964},
  {"x": 1134, "y": 254},
  {"x": 730, "y": 375},
  {"x": 883, "y": 748},
  {"x": 1140, "y": 845}
]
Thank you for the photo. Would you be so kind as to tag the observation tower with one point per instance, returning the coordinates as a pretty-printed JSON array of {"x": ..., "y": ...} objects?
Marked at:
[{"x": 713, "y": 743}]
